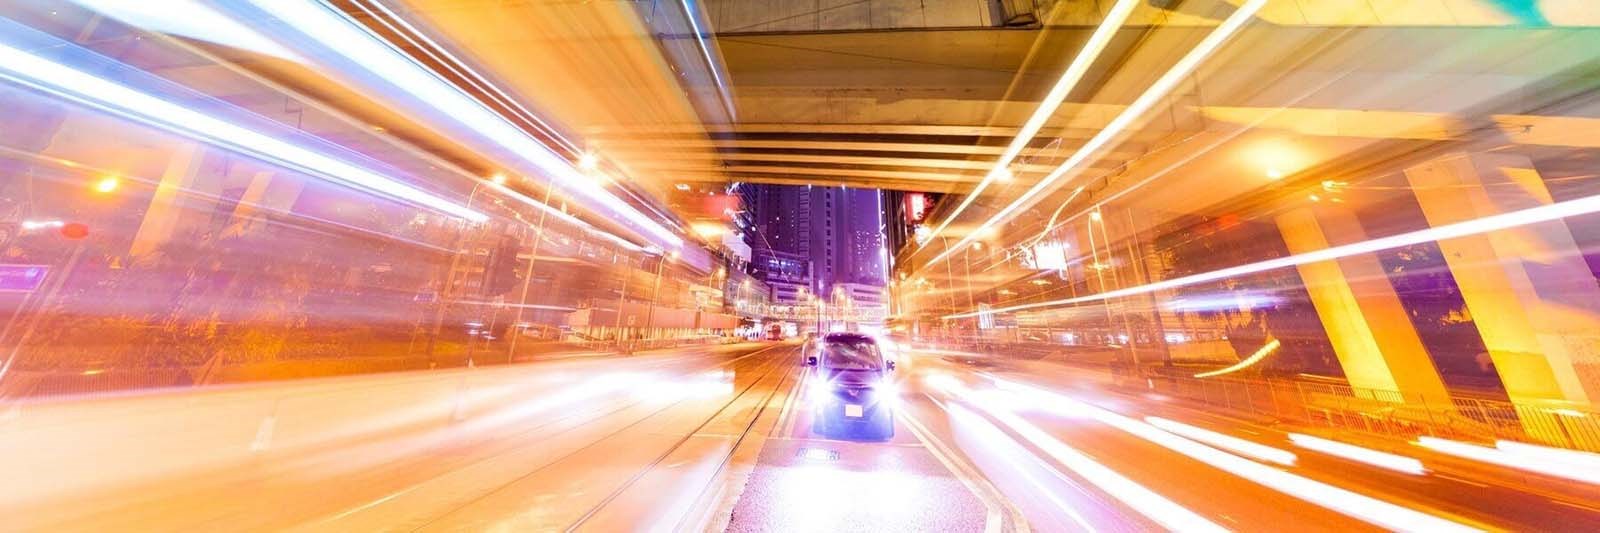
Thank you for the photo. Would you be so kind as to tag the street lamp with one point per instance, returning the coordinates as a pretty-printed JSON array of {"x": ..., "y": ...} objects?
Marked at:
[{"x": 107, "y": 185}]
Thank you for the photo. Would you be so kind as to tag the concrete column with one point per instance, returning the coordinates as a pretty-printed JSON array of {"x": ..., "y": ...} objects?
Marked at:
[
  {"x": 1370, "y": 330},
  {"x": 168, "y": 208},
  {"x": 265, "y": 193},
  {"x": 1530, "y": 294}
]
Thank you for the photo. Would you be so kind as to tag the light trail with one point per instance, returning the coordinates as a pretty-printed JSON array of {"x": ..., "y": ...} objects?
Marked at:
[
  {"x": 1226, "y": 442},
  {"x": 1577, "y": 459},
  {"x": 73, "y": 85},
  {"x": 995, "y": 439},
  {"x": 562, "y": 215},
  {"x": 1361, "y": 507},
  {"x": 1146, "y": 502},
  {"x": 1123, "y": 120},
  {"x": 1260, "y": 353},
  {"x": 1389, "y": 461},
  {"x": 366, "y": 50},
  {"x": 693, "y": 16},
  {"x": 428, "y": 46},
  {"x": 1532, "y": 215},
  {"x": 1541, "y": 463},
  {"x": 1047, "y": 108}
]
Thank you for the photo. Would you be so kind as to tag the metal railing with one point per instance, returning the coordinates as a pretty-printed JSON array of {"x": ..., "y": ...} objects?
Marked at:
[{"x": 1382, "y": 412}]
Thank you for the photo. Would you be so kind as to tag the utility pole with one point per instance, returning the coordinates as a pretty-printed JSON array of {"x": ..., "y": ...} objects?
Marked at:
[
  {"x": 655, "y": 295},
  {"x": 527, "y": 278}
]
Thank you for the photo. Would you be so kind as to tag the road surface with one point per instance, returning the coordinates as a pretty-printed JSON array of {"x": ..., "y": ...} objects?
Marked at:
[{"x": 716, "y": 438}]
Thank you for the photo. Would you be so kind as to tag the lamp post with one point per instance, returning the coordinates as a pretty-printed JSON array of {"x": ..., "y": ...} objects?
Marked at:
[
  {"x": 450, "y": 279},
  {"x": 655, "y": 294},
  {"x": 527, "y": 278}
]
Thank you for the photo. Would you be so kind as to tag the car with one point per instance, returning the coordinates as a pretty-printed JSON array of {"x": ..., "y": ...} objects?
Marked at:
[{"x": 853, "y": 391}]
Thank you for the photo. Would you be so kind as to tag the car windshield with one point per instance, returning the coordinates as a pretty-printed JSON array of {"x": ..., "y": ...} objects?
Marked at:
[{"x": 851, "y": 355}]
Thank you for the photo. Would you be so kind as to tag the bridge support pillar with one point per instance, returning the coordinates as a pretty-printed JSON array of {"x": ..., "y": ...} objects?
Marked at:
[
  {"x": 171, "y": 210},
  {"x": 1532, "y": 298},
  {"x": 1372, "y": 335}
]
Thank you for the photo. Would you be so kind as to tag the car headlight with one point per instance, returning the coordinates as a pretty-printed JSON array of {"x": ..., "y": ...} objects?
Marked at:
[
  {"x": 887, "y": 391},
  {"x": 820, "y": 391}
]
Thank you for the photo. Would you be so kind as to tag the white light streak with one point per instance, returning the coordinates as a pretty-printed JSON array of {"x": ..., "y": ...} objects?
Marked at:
[
  {"x": 1532, "y": 215},
  {"x": 1575, "y": 458},
  {"x": 1143, "y": 103},
  {"x": 1389, "y": 461},
  {"x": 188, "y": 18},
  {"x": 1154, "y": 506},
  {"x": 70, "y": 84},
  {"x": 369, "y": 51},
  {"x": 1537, "y": 463},
  {"x": 1047, "y": 108},
  {"x": 1361, "y": 507},
  {"x": 1226, "y": 442}
]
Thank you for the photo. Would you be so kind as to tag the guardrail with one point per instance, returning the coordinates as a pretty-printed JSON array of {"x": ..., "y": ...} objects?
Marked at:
[{"x": 1383, "y": 412}]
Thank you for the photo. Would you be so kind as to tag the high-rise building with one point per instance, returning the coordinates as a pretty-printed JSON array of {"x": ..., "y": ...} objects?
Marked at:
[{"x": 837, "y": 232}]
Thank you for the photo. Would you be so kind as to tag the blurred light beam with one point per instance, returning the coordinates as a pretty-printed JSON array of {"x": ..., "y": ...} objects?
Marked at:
[
  {"x": 1349, "y": 503},
  {"x": 1388, "y": 461},
  {"x": 1575, "y": 458},
  {"x": 353, "y": 41},
  {"x": 1047, "y": 108},
  {"x": 1226, "y": 442},
  {"x": 1154, "y": 506},
  {"x": 1260, "y": 353},
  {"x": 1154, "y": 94},
  {"x": 188, "y": 18},
  {"x": 76, "y": 86},
  {"x": 1537, "y": 463},
  {"x": 1532, "y": 215}
]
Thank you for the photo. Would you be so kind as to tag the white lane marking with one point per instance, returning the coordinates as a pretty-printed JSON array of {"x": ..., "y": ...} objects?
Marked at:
[
  {"x": 264, "y": 431},
  {"x": 1460, "y": 480},
  {"x": 1575, "y": 505}
]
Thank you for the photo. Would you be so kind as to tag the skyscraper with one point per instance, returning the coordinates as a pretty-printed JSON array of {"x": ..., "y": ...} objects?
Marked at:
[{"x": 839, "y": 231}]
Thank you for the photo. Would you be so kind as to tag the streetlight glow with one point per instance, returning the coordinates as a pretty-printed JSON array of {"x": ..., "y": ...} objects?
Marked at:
[{"x": 107, "y": 184}]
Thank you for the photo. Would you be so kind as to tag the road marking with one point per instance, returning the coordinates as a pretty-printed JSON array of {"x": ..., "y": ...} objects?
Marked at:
[
  {"x": 991, "y": 497},
  {"x": 264, "y": 431},
  {"x": 1459, "y": 480},
  {"x": 1575, "y": 505}
]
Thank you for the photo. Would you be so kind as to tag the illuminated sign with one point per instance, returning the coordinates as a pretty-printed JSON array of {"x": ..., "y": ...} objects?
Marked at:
[{"x": 22, "y": 278}]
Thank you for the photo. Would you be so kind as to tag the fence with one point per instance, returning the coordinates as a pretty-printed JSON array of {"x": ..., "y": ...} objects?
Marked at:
[{"x": 1383, "y": 412}]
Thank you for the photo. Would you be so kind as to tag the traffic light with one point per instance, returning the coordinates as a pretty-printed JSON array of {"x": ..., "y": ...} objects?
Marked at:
[{"x": 503, "y": 273}]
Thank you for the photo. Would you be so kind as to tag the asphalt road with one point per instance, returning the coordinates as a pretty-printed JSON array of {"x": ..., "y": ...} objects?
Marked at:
[{"x": 724, "y": 438}]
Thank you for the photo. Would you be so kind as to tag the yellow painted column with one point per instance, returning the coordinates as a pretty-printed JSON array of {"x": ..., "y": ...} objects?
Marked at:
[
  {"x": 169, "y": 207},
  {"x": 1530, "y": 294},
  {"x": 267, "y": 192},
  {"x": 1371, "y": 332}
]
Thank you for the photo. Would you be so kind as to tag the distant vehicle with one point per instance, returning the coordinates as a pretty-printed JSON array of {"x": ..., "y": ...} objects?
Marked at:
[
  {"x": 852, "y": 391},
  {"x": 774, "y": 332}
]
